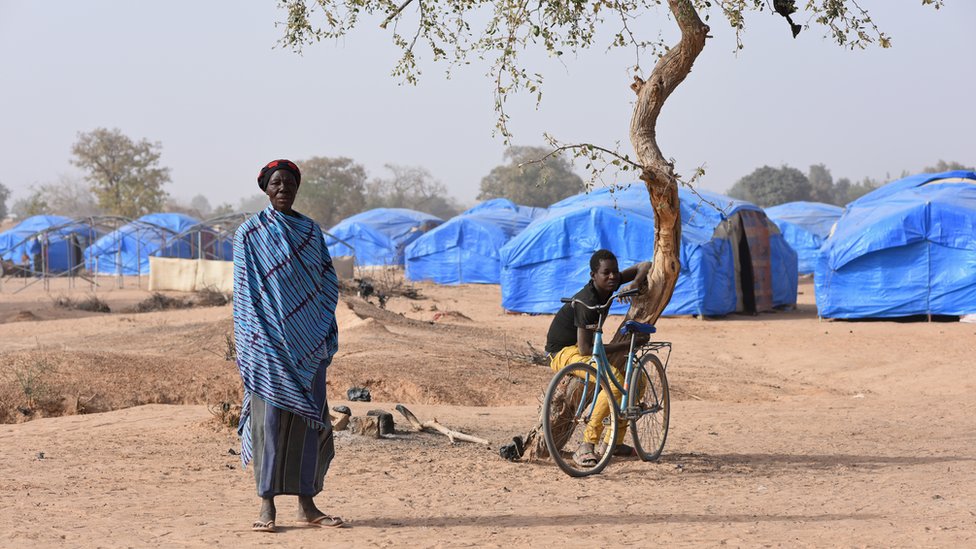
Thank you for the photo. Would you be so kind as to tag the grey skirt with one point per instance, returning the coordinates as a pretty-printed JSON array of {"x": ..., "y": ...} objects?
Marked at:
[{"x": 289, "y": 457}]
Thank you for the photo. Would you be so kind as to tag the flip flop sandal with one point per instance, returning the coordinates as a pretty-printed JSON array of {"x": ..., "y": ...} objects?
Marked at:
[
  {"x": 259, "y": 526},
  {"x": 325, "y": 521},
  {"x": 585, "y": 459}
]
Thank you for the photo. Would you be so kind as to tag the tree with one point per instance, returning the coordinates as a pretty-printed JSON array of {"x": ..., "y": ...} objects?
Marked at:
[
  {"x": 531, "y": 183},
  {"x": 943, "y": 166},
  {"x": 222, "y": 209},
  {"x": 201, "y": 205},
  {"x": 124, "y": 174},
  {"x": 496, "y": 31},
  {"x": 332, "y": 189},
  {"x": 255, "y": 203},
  {"x": 456, "y": 32},
  {"x": 771, "y": 186},
  {"x": 411, "y": 187},
  {"x": 69, "y": 197},
  {"x": 842, "y": 189},
  {"x": 32, "y": 204},
  {"x": 4, "y": 195},
  {"x": 821, "y": 184},
  {"x": 858, "y": 190}
]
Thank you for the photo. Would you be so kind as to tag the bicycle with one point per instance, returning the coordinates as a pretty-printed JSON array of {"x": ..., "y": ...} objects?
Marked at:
[{"x": 645, "y": 399}]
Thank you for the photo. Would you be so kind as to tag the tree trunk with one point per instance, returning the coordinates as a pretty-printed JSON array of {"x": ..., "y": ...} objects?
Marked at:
[
  {"x": 658, "y": 174},
  {"x": 659, "y": 177}
]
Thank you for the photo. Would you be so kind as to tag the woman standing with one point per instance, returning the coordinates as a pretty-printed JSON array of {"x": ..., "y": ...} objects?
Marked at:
[{"x": 285, "y": 295}]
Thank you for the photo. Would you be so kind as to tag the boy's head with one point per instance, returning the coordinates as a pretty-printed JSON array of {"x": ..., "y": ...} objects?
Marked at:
[{"x": 604, "y": 271}]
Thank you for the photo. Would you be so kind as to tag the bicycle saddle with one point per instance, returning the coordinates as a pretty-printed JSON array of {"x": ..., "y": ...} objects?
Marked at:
[{"x": 632, "y": 326}]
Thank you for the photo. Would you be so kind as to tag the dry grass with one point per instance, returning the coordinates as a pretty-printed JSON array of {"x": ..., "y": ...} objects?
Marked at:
[
  {"x": 226, "y": 414},
  {"x": 161, "y": 302},
  {"x": 212, "y": 297},
  {"x": 208, "y": 297},
  {"x": 92, "y": 303}
]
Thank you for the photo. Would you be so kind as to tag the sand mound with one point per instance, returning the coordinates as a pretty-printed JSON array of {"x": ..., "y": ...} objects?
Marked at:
[
  {"x": 46, "y": 383},
  {"x": 23, "y": 316},
  {"x": 349, "y": 321}
]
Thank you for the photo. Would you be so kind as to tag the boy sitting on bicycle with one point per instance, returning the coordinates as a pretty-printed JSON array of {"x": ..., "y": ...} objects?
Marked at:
[{"x": 570, "y": 339}]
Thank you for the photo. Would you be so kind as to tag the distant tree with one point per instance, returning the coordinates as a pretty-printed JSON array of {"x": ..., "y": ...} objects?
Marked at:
[
  {"x": 821, "y": 184},
  {"x": 411, "y": 187},
  {"x": 4, "y": 195},
  {"x": 198, "y": 206},
  {"x": 222, "y": 209},
  {"x": 538, "y": 184},
  {"x": 332, "y": 189},
  {"x": 943, "y": 166},
  {"x": 842, "y": 189},
  {"x": 69, "y": 197},
  {"x": 857, "y": 190},
  {"x": 124, "y": 174},
  {"x": 771, "y": 186},
  {"x": 32, "y": 204},
  {"x": 255, "y": 203},
  {"x": 201, "y": 205}
]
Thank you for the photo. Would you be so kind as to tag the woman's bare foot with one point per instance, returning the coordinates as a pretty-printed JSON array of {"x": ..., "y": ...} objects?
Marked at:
[
  {"x": 266, "y": 518},
  {"x": 309, "y": 515}
]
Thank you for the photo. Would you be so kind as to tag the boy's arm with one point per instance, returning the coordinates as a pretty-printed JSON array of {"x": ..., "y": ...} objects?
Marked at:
[
  {"x": 584, "y": 341},
  {"x": 635, "y": 272}
]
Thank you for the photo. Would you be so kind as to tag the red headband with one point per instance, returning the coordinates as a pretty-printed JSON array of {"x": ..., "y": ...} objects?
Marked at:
[{"x": 275, "y": 165}]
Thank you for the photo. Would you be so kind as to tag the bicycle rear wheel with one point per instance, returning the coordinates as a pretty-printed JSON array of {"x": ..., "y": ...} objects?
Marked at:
[
  {"x": 565, "y": 413},
  {"x": 650, "y": 403}
]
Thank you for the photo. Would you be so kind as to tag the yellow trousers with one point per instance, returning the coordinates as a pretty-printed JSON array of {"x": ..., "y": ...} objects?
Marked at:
[{"x": 570, "y": 355}]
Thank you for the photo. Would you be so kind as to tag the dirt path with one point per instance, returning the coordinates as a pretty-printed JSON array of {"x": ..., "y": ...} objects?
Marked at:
[{"x": 786, "y": 431}]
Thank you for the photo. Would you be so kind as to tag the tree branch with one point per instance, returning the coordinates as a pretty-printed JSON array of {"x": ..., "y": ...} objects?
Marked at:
[
  {"x": 393, "y": 15},
  {"x": 584, "y": 146}
]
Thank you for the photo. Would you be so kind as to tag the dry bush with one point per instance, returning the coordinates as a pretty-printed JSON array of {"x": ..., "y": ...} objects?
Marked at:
[
  {"x": 381, "y": 284},
  {"x": 212, "y": 297},
  {"x": 230, "y": 348},
  {"x": 226, "y": 414},
  {"x": 160, "y": 302},
  {"x": 92, "y": 303},
  {"x": 31, "y": 374}
]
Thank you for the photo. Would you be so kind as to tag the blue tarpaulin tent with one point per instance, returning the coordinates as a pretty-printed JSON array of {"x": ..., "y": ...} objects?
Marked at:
[
  {"x": 805, "y": 226},
  {"x": 464, "y": 250},
  {"x": 126, "y": 251},
  {"x": 721, "y": 252},
  {"x": 905, "y": 252},
  {"x": 46, "y": 243},
  {"x": 379, "y": 236}
]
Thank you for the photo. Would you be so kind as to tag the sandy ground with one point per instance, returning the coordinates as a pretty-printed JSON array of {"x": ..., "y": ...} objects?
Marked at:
[{"x": 785, "y": 431}]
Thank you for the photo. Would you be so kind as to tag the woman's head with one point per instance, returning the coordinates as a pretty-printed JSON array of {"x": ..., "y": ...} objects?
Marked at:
[{"x": 279, "y": 179}]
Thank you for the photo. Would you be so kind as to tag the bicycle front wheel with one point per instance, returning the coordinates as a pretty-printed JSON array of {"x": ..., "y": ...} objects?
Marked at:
[
  {"x": 650, "y": 403},
  {"x": 566, "y": 413}
]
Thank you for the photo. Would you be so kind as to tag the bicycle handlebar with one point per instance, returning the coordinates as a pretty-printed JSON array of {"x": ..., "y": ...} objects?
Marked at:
[{"x": 620, "y": 295}]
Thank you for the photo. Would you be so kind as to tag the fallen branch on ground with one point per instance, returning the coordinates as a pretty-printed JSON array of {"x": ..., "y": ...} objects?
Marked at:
[
  {"x": 532, "y": 356},
  {"x": 433, "y": 424}
]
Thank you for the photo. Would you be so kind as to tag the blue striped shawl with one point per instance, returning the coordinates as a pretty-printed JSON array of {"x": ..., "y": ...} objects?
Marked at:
[{"x": 285, "y": 295}]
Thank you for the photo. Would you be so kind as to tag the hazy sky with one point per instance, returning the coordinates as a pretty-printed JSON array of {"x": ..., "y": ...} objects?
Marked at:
[{"x": 204, "y": 78}]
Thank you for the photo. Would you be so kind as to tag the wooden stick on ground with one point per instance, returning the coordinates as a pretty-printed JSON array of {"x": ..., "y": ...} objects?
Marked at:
[{"x": 434, "y": 425}]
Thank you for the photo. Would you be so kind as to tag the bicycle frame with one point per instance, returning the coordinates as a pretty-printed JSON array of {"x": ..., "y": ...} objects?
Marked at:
[{"x": 599, "y": 356}]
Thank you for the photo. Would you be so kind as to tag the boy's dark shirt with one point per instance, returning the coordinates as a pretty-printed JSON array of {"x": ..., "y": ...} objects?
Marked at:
[{"x": 562, "y": 331}]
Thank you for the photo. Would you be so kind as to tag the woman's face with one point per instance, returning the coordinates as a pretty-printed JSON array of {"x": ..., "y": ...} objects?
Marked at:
[{"x": 282, "y": 189}]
